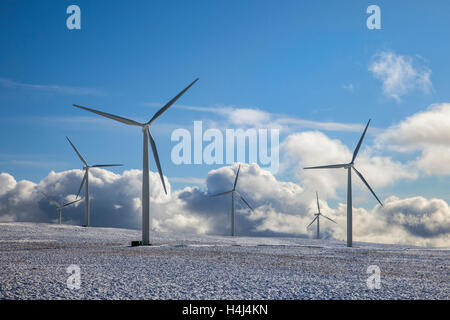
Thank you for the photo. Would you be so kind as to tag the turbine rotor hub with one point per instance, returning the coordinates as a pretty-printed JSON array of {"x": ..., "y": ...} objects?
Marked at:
[{"x": 145, "y": 127}]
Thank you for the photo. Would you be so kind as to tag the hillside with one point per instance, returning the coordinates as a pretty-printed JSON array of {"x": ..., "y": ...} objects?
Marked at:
[{"x": 34, "y": 259}]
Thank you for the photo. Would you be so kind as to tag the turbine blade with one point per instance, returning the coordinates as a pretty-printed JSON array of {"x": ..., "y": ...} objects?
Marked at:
[
  {"x": 367, "y": 185},
  {"x": 82, "y": 182},
  {"x": 222, "y": 193},
  {"x": 311, "y": 222},
  {"x": 111, "y": 116},
  {"x": 69, "y": 203},
  {"x": 328, "y": 166},
  {"x": 79, "y": 155},
  {"x": 53, "y": 202},
  {"x": 155, "y": 155},
  {"x": 328, "y": 218},
  {"x": 48, "y": 198},
  {"x": 236, "y": 179},
  {"x": 355, "y": 153},
  {"x": 106, "y": 165},
  {"x": 171, "y": 102},
  {"x": 242, "y": 198},
  {"x": 318, "y": 206}
]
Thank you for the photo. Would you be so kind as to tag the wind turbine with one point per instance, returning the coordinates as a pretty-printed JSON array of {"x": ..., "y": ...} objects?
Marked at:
[
  {"x": 59, "y": 206},
  {"x": 147, "y": 136},
  {"x": 318, "y": 214},
  {"x": 86, "y": 182},
  {"x": 233, "y": 192},
  {"x": 349, "y": 166}
]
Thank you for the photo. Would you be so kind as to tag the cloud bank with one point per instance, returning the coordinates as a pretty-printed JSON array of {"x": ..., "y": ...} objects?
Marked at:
[
  {"x": 426, "y": 132},
  {"x": 281, "y": 208}
]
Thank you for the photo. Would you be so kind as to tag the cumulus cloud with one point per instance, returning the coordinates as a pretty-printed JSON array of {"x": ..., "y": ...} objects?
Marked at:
[
  {"x": 422, "y": 217},
  {"x": 414, "y": 220},
  {"x": 281, "y": 208},
  {"x": 115, "y": 199},
  {"x": 260, "y": 188},
  {"x": 427, "y": 132},
  {"x": 7, "y": 182},
  {"x": 399, "y": 74},
  {"x": 313, "y": 148}
]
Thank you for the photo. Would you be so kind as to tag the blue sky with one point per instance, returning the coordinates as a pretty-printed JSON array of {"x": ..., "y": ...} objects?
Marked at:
[{"x": 306, "y": 60}]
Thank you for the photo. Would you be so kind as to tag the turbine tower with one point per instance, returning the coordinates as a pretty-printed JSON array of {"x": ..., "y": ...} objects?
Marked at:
[
  {"x": 349, "y": 166},
  {"x": 59, "y": 206},
  {"x": 147, "y": 136},
  {"x": 318, "y": 214},
  {"x": 86, "y": 182},
  {"x": 233, "y": 192}
]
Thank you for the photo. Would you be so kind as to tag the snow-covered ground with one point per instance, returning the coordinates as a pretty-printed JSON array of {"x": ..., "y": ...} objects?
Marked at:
[{"x": 34, "y": 258}]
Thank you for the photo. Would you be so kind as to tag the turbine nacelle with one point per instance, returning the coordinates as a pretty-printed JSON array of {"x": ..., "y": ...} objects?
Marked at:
[{"x": 145, "y": 127}]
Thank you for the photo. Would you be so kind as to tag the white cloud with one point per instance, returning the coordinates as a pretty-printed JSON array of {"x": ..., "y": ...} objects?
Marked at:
[
  {"x": 348, "y": 87},
  {"x": 50, "y": 88},
  {"x": 313, "y": 148},
  {"x": 415, "y": 220},
  {"x": 254, "y": 117},
  {"x": 188, "y": 180},
  {"x": 7, "y": 182},
  {"x": 244, "y": 116},
  {"x": 427, "y": 132},
  {"x": 325, "y": 125},
  {"x": 281, "y": 208},
  {"x": 399, "y": 74}
]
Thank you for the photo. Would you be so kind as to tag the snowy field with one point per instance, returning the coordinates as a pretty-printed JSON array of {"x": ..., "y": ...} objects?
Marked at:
[{"x": 34, "y": 258}]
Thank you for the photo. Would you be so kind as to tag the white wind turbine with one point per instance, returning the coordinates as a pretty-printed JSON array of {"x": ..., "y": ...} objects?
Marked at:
[
  {"x": 349, "y": 166},
  {"x": 233, "y": 192},
  {"x": 59, "y": 206},
  {"x": 147, "y": 136},
  {"x": 318, "y": 214},
  {"x": 86, "y": 182}
]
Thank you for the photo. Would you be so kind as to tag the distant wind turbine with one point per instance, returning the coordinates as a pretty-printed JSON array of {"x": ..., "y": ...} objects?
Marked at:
[
  {"x": 86, "y": 182},
  {"x": 59, "y": 206},
  {"x": 318, "y": 214},
  {"x": 147, "y": 136},
  {"x": 349, "y": 166},
  {"x": 233, "y": 192}
]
